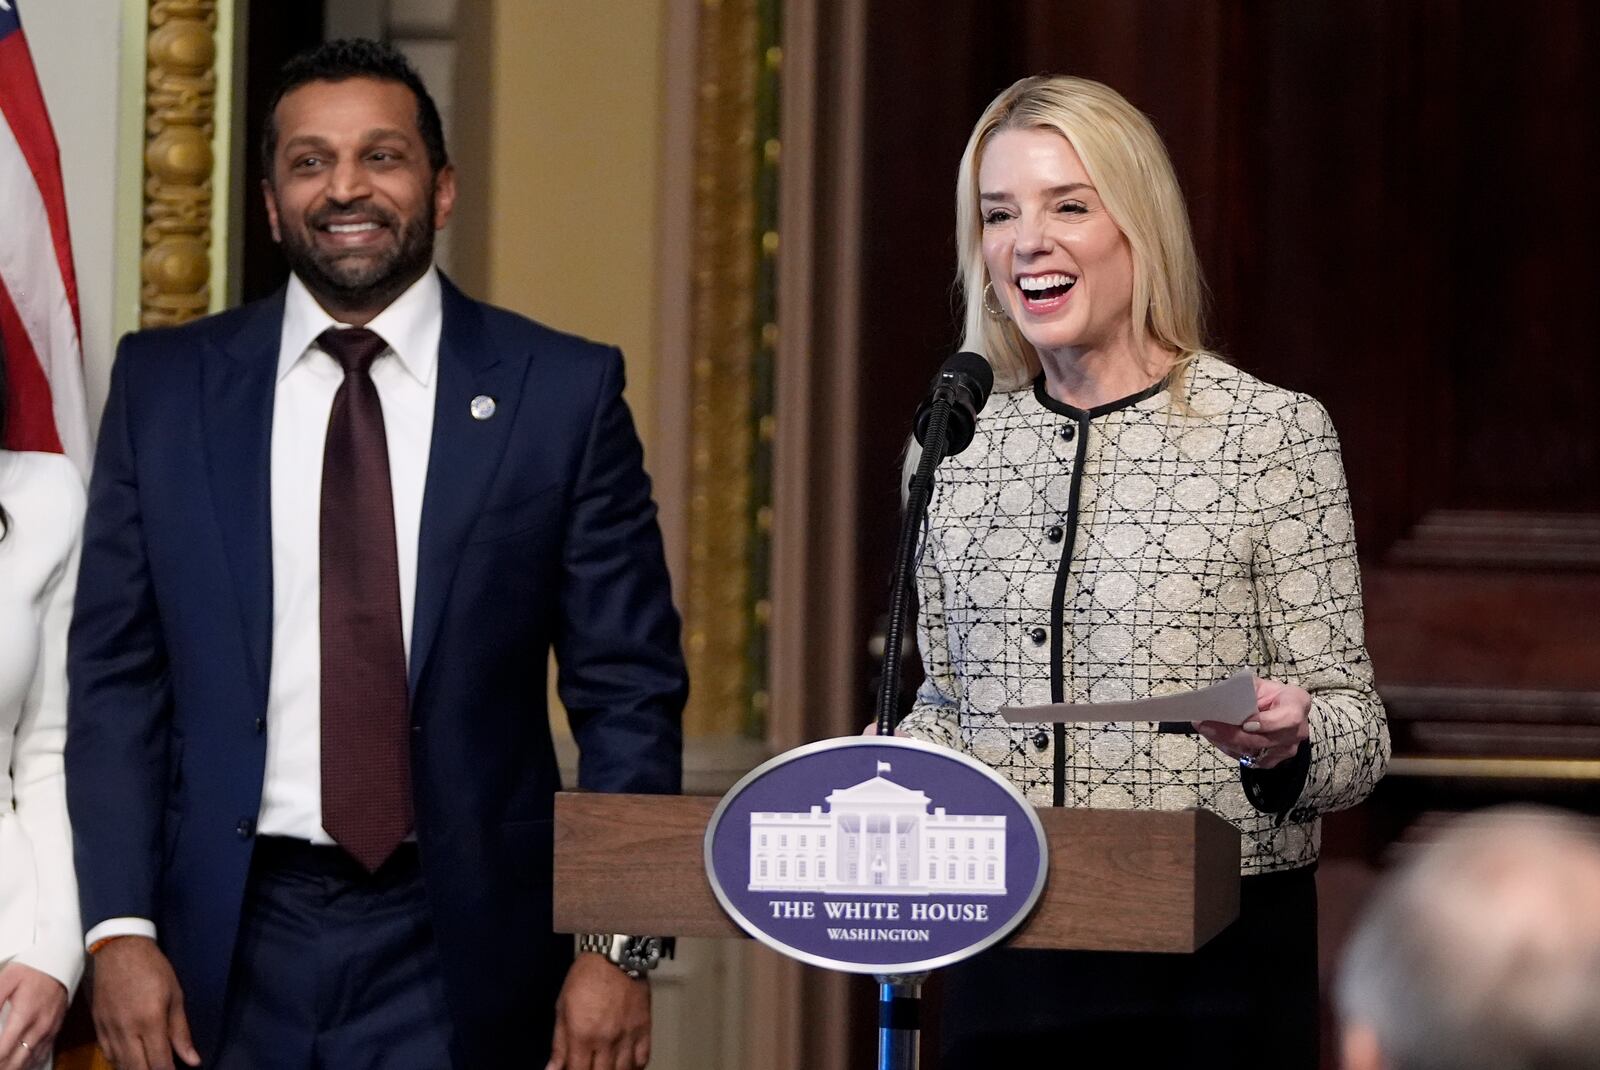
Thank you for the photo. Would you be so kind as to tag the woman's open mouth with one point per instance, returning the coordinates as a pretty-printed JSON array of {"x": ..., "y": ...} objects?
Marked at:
[{"x": 1045, "y": 293}]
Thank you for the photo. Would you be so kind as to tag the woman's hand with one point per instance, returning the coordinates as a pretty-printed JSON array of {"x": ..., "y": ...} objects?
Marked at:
[
  {"x": 1282, "y": 722},
  {"x": 38, "y": 1003}
]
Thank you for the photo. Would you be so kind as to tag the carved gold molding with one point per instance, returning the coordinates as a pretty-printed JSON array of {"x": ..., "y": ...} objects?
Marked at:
[
  {"x": 733, "y": 336},
  {"x": 722, "y": 321},
  {"x": 180, "y": 117}
]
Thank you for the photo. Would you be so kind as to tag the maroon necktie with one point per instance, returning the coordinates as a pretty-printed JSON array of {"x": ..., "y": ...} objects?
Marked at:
[{"x": 366, "y": 755}]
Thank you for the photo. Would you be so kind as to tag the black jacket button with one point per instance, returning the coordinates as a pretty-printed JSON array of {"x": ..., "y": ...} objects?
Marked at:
[
  {"x": 1069, "y": 432},
  {"x": 1038, "y": 635},
  {"x": 1055, "y": 534},
  {"x": 1041, "y": 739},
  {"x": 246, "y": 827}
]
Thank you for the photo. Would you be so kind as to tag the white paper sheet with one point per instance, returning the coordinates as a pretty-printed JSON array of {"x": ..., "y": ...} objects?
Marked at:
[{"x": 1232, "y": 701}]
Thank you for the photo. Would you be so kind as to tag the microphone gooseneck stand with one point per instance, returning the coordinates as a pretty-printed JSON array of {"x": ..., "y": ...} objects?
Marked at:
[
  {"x": 944, "y": 426},
  {"x": 899, "y": 1020},
  {"x": 933, "y": 447},
  {"x": 900, "y": 995}
]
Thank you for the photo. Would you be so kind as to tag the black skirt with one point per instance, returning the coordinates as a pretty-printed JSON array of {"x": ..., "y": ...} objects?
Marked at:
[{"x": 1246, "y": 999}]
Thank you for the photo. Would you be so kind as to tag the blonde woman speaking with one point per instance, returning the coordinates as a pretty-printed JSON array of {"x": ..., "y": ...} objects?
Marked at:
[{"x": 1136, "y": 517}]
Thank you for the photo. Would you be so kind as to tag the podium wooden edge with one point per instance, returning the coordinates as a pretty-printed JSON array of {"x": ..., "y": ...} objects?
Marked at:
[
  {"x": 1135, "y": 880},
  {"x": 1216, "y": 876}
]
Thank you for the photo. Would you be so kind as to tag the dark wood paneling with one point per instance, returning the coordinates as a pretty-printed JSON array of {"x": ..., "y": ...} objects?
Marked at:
[
  {"x": 1479, "y": 539},
  {"x": 1392, "y": 202},
  {"x": 1492, "y": 723},
  {"x": 277, "y": 32},
  {"x": 1484, "y": 628},
  {"x": 927, "y": 79}
]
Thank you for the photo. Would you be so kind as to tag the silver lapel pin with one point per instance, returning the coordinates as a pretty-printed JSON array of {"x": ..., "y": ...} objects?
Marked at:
[{"x": 482, "y": 407}]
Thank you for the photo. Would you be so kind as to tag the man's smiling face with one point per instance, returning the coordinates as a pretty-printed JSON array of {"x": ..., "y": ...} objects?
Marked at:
[{"x": 353, "y": 200}]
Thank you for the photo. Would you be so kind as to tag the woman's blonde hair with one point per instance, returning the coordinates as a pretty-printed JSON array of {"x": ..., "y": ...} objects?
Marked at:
[{"x": 1129, "y": 167}]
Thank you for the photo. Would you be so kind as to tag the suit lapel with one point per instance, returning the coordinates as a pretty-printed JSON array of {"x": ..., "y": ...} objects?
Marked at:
[
  {"x": 238, "y": 388},
  {"x": 462, "y": 459}
]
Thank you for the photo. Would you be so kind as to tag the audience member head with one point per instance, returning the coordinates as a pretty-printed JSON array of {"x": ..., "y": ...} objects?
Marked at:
[{"x": 1482, "y": 952}]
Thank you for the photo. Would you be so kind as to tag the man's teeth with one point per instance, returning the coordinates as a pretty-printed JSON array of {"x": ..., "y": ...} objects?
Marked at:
[
  {"x": 350, "y": 228},
  {"x": 1037, "y": 283}
]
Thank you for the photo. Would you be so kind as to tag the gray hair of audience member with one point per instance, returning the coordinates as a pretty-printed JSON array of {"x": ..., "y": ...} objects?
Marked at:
[{"x": 1483, "y": 951}]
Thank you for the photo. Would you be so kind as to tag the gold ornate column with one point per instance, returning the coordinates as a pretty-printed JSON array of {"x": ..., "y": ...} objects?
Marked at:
[
  {"x": 180, "y": 122},
  {"x": 733, "y": 339}
]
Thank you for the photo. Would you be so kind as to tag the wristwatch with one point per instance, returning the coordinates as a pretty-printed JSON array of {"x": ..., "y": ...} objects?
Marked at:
[{"x": 633, "y": 955}]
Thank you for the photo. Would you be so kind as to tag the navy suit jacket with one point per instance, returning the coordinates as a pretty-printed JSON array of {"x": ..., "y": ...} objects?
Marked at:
[{"x": 538, "y": 532}]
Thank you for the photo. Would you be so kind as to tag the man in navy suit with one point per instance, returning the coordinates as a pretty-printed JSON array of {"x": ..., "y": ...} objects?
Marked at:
[{"x": 332, "y": 537}]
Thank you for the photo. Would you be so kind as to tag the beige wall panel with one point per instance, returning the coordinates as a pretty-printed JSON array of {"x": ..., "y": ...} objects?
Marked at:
[
  {"x": 95, "y": 95},
  {"x": 435, "y": 61},
  {"x": 561, "y": 109},
  {"x": 419, "y": 17},
  {"x": 556, "y": 135}
]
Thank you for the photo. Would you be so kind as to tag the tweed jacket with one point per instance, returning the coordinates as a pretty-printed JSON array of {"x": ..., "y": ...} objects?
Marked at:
[{"x": 1134, "y": 550}]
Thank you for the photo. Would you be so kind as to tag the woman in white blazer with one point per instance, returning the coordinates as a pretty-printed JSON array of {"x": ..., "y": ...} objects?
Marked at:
[{"x": 41, "y": 944}]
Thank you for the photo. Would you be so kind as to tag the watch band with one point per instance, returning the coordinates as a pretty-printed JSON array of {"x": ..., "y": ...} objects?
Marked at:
[{"x": 635, "y": 956}]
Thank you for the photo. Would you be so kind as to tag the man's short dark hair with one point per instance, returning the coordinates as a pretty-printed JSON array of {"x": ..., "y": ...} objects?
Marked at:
[{"x": 356, "y": 57}]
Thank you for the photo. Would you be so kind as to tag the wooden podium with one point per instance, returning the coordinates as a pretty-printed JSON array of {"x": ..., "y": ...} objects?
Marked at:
[{"x": 1119, "y": 880}]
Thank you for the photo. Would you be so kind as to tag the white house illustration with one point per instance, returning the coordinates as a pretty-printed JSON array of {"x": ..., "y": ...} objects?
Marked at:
[{"x": 878, "y": 837}]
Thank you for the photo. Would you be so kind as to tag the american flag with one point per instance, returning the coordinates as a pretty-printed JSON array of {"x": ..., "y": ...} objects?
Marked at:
[{"x": 38, "y": 290}]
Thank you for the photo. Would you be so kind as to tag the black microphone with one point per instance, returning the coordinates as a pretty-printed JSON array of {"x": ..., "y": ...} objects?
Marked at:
[
  {"x": 945, "y": 422},
  {"x": 964, "y": 381}
]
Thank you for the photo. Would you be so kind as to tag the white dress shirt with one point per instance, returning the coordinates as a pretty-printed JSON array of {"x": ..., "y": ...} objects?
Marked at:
[
  {"x": 308, "y": 378},
  {"x": 291, "y": 794}
]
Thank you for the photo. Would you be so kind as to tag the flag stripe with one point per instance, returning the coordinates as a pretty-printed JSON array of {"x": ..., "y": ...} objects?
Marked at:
[
  {"x": 40, "y": 297},
  {"x": 30, "y": 422},
  {"x": 22, "y": 106}
]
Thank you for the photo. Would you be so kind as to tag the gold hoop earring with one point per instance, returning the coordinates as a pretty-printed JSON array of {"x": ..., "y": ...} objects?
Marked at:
[{"x": 991, "y": 302}]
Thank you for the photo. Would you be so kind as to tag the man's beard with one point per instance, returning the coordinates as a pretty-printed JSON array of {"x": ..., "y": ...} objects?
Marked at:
[{"x": 361, "y": 282}]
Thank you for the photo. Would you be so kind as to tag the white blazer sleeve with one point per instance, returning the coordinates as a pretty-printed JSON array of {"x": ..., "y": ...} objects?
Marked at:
[{"x": 40, "y": 786}]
